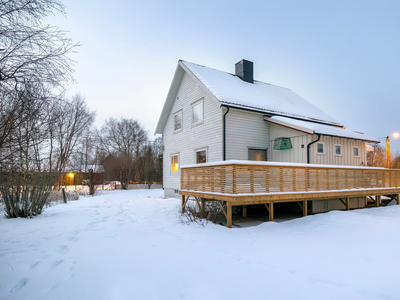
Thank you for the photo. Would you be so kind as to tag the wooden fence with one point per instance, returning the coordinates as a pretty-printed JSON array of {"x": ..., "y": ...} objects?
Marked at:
[{"x": 251, "y": 178}]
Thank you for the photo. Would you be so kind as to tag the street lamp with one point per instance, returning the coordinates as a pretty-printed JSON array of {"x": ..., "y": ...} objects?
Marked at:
[{"x": 387, "y": 152}]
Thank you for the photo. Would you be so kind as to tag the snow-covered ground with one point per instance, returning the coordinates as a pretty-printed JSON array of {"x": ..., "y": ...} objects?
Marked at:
[{"x": 131, "y": 245}]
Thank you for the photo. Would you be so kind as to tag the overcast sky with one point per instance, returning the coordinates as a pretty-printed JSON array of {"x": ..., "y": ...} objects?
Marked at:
[{"x": 342, "y": 56}]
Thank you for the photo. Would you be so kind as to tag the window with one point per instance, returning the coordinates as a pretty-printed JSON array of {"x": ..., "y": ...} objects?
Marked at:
[
  {"x": 320, "y": 148},
  {"x": 338, "y": 150},
  {"x": 178, "y": 121},
  {"x": 201, "y": 156},
  {"x": 175, "y": 162},
  {"x": 356, "y": 152},
  {"x": 197, "y": 112},
  {"x": 257, "y": 154}
]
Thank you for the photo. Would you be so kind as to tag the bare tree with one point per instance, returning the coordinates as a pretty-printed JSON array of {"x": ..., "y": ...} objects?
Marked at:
[
  {"x": 376, "y": 158},
  {"x": 122, "y": 140},
  {"x": 74, "y": 117}
]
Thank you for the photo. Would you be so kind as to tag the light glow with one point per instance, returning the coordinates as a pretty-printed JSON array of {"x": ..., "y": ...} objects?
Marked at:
[{"x": 396, "y": 135}]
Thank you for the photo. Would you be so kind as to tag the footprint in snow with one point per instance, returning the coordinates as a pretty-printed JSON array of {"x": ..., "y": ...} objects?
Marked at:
[
  {"x": 18, "y": 285},
  {"x": 55, "y": 264},
  {"x": 62, "y": 249},
  {"x": 32, "y": 266}
]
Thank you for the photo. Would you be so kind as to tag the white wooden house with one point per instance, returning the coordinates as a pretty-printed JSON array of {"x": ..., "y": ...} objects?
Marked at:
[{"x": 210, "y": 115}]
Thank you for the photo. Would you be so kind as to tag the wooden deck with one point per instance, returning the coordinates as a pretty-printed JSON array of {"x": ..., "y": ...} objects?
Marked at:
[{"x": 246, "y": 183}]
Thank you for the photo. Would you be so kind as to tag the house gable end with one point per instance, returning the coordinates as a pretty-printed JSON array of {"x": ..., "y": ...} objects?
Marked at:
[{"x": 172, "y": 94}]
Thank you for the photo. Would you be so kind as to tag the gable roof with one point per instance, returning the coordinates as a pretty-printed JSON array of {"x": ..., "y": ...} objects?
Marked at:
[
  {"x": 228, "y": 89},
  {"x": 326, "y": 130}
]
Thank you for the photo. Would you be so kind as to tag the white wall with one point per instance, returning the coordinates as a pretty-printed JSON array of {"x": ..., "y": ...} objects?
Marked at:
[
  {"x": 347, "y": 158},
  {"x": 206, "y": 135},
  {"x": 245, "y": 129},
  {"x": 297, "y": 153}
]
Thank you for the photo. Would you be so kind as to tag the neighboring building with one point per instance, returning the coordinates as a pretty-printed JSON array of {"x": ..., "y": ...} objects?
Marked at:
[{"x": 210, "y": 115}]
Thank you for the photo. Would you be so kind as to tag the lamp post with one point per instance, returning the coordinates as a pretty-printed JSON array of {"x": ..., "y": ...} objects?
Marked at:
[{"x": 387, "y": 152}]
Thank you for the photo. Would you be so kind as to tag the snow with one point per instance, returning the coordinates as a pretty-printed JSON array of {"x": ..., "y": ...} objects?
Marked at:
[
  {"x": 231, "y": 90},
  {"x": 131, "y": 245},
  {"x": 315, "y": 128}
]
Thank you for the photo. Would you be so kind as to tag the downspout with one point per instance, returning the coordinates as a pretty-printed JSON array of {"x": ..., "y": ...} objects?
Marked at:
[
  {"x": 224, "y": 133},
  {"x": 308, "y": 147}
]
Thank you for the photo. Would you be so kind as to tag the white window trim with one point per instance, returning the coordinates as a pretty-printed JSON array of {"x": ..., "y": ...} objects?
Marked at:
[
  {"x": 179, "y": 163},
  {"x": 176, "y": 113},
  {"x": 198, "y": 150},
  {"x": 323, "y": 148},
  {"x": 202, "y": 117},
  {"x": 358, "y": 152},
  {"x": 341, "y": 150}
]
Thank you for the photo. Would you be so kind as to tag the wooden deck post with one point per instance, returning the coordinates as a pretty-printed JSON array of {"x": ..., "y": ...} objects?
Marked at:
[
  {"x": 244, "y": 210},
  {"x": 229, "y": 215},
  {"x": 398, "y": 199},
  {"x": 270, "y": 208},
  {"x": 305, "y": 208},
  {"x": 377, "y": 200},
  {"x": 202, "y": 203},
  {"x": 183, "y": 203},
  {"x": 347, "y": 203}
]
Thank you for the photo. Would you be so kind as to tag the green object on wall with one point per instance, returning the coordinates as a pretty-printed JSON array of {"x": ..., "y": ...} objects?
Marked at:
[{"x": 282, "y": 143}]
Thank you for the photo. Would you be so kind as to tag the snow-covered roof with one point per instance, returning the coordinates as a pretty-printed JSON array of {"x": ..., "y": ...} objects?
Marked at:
[
  {"x": 228, "y": 89},
  {"x": 231, "y": 90},
  {"x": 314, "y": 128}
]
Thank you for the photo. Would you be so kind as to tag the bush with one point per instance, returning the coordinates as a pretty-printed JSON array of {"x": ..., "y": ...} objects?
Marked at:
[
  {"x": 25, "y": 194},
  {"x": 212, "y": 213}
]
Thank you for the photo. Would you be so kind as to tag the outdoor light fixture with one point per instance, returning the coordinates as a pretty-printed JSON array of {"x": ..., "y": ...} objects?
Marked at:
[{"x": 387, "y": 152}]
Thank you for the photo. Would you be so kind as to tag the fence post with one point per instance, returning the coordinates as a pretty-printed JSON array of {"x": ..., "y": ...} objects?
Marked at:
[{"x": 63, "y": 193}]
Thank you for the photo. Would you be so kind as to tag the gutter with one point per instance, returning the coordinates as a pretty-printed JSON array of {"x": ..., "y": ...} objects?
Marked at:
[
  {"x": 308, "y": 147},
  {"x": 224, "y": 133}
]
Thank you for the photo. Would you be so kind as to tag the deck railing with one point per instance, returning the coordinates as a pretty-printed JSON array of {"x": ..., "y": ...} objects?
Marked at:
[{"x": 246, "y": 177}]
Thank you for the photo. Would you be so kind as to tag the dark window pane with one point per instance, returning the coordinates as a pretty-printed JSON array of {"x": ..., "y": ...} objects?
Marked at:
[
  {"x": 258, "y": 154},
  {"x": 201, "y": 156}
]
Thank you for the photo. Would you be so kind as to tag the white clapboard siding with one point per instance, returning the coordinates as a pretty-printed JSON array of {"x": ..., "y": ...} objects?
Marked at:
[
  {"x": 245, "y": 129},
  {"x": 206, "y": 135},
  {"x": 297, "y": 154}
]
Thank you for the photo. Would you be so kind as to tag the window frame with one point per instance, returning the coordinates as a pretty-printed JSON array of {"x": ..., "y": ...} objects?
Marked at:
[
  {"x": 179, "y": 112},
  {"x": 173, "y": 155},
  {"x": 358, "y": 151},
  {"x": 257, "y": 148},
  {"x": 199, "y": 150},
  {"x": 198, "y": 102},
  {"x": 323, "y": 148},
  {"x": 341, "y": 150}
]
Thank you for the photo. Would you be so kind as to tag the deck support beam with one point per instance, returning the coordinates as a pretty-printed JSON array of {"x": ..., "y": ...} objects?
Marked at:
[
  {"x": 184, "y": 201},
  {"x": 229, "y": 215},
  {"x": 244, "y": 211},
  {"x": 348, "y": 203},
  {"x": 377, "y": 200},
  {"x": 270, "y": 208},
  {"x": 305, "y": 212}
]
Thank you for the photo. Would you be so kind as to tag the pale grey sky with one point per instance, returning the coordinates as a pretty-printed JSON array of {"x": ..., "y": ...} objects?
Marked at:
[{"x": 342, "y": 56}]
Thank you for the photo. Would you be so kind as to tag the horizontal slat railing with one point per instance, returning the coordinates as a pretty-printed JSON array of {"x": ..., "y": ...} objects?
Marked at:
[{"x": 242, "y": 178}]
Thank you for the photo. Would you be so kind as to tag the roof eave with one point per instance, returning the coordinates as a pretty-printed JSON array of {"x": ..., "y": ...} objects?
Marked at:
[{"x": 169, "y": 102}]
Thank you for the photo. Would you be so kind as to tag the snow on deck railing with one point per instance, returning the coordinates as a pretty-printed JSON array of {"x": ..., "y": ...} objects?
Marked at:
[{"x": 242, "y": 177}]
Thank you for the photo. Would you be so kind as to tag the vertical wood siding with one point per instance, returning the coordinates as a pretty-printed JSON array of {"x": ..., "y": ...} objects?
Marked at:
[
  {"x": 206, "y": 135},
  {"x": 346, "y": 159},
  {"x": 298, "y": 138},
  {"x": 243, "y": 130}
]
